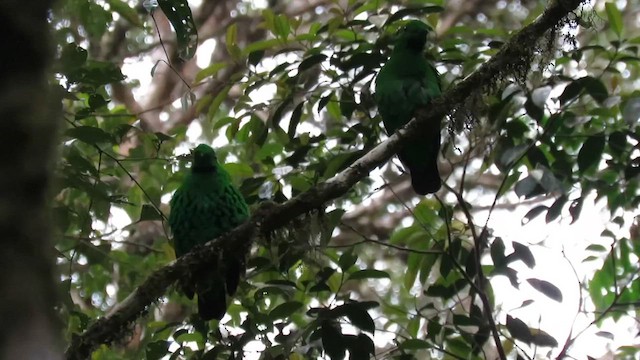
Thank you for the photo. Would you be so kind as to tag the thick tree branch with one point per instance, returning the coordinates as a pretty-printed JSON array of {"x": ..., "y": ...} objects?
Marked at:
[{"x": 267, "y": 219}]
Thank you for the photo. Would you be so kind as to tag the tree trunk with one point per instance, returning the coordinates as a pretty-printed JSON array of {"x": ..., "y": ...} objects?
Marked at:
[{"x": 28, "y": 129}]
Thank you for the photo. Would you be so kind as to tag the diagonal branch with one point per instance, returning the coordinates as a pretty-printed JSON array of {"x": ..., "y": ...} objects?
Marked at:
[{"x": 266, "y": 219}]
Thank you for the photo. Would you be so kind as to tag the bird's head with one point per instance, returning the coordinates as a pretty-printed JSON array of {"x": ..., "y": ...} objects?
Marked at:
[
  {"x": 412, "y": 35},
  {"x": 204, "y": 159}
]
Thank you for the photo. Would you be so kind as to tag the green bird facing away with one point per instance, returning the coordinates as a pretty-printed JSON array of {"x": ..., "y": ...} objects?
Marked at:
[
  {"x": 406, "y": 82},
  {"x": 205, "y": 206}
]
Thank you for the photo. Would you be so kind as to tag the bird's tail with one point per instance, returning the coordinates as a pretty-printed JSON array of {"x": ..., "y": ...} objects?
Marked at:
[
  {"x": 212, "y": 300},
  {"x": 212, "y": 303},
  {"x": 425, "y": 180},
  {"x": 421, "y": 157}
]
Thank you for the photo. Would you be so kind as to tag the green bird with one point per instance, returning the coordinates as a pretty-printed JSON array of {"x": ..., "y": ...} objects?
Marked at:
[
  {"x": 205, "y": 206},
  {"x": 406, "y": 82}
]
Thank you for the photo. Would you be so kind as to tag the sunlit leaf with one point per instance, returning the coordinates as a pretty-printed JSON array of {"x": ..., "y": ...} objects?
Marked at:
[
  {"x": 210, "y": 70},
  {"x": 614, "y": 17}
]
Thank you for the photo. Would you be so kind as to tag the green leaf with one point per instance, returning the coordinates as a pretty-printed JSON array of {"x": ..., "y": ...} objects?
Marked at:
[
  {"x": 93, "y": 17},
  {"x": 433, "y": 328},
  {"x": 415, "y": 344},
  {"x": 446, "y": 265},
  {"x": 323, "y": 101},
  {"x": 269, "y": 20},
  {"x": 328, "y": 224},
  {"x": 96, "y": 254},
  {"x": 536, "y": 157},
  {"x": 180, "y": 17},
  {"x": 149, "y": 212},
  {"x": 426, "y": 212},
  {"x": 360, "y": 347},
  {"x": 187, "y": 99},
  {"x": 126, "y": 11},
  {"x": 259, "y": 46},
  {"x": 230, "y": 41},
  {"x": 347, "y": 260},
  {"x": 618, "y": 142},
  {"x": 90, "y": 135},
  {"x": 347, "y": 103},
  {"x": 189, "y": 337},
  {"x": 464, "y": 320},
  {"x": 591, "y": 152},
  {"x": 295, "y": 119},
  {"x": 416, "y": 237},
  {"x": 157, "y": 350},
  {"x": 605, "y": 334},
  {"x": 533, "y": 110},
  {"x": 340, "y": 162},
  {"x": 575, "y": 208},
  {"x": 311, "y": 61},
  {"x": 509, "y": 156},
  {"x": 217, "y": 101},
  {"x": 332, "y": 340},
  {"x": 72, "y": 57},
  {"x": 595, "y": 88},
  {"x": 546, "y": 288},
  {"x": 527, "y": 187},
  {"x": 523, "y": 253},
  {"x": 571, "y": 92},
  {"x": 518, "y": 329},
  {"x": 210, "y": 70},
  {"x": 364, "y": 59},
  {"x": 369, "y": 274},
  {"x": 597, "y": 248},
  {"x": 446, "y": 292},
  {"x": 96, "y": 73},
  {"x": 162, "y": 137},
  {"x": 556, "y": 208},
  {"x": 277, "y": 114},
  {"x": 281, "y": 26},
  {"x": 498, "y": 253},
  {"x": 153, "y": 68},
  {"x": 631, "y": 111},
  {"x": 333, "y": 108},
  {"x": 254, "y": 57},
  {"x": 96, "y": 101},
  {"x": 358, "y": 316},
  {"x": 285, "y": 310},
  {"x": 615, "y": 18},
  {"x": 541, "y": 338},
  {"x": 238, "y": 170},
  {"x": 80, "y": 163}
]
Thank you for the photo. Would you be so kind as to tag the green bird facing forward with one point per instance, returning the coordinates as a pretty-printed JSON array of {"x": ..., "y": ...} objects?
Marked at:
[
  {"x": 406, "y": 82},
  {"x": 205, "y": 206}
]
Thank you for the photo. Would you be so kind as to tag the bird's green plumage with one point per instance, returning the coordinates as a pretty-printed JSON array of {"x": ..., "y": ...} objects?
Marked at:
[
  {"x": 205, "y": 206},
  {"x": 406, "y": 82}
]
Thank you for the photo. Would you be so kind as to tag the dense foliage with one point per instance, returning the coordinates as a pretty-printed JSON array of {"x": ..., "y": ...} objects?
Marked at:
[{"x": 284, "y": 92}]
